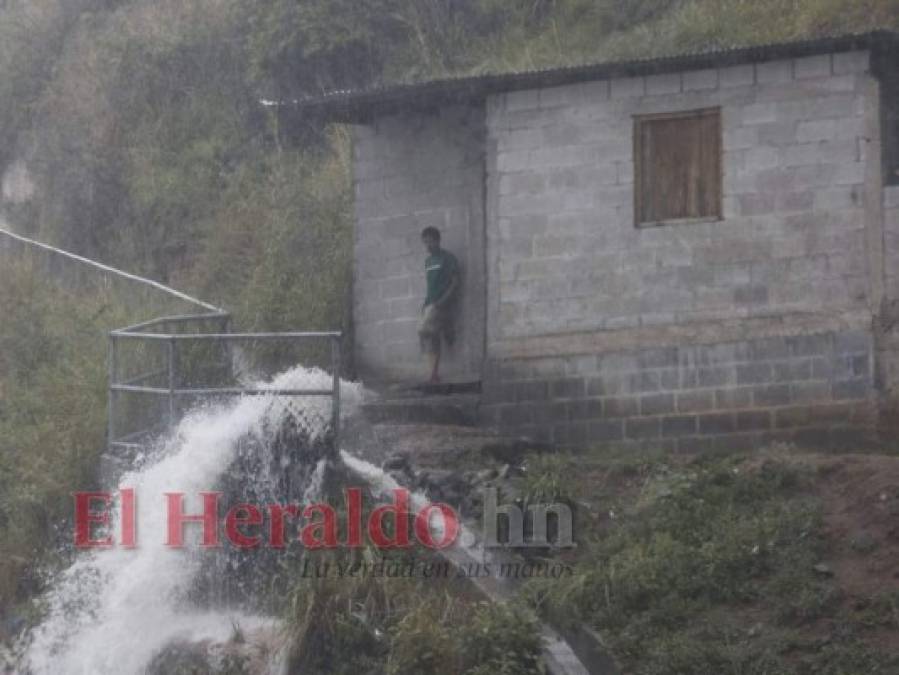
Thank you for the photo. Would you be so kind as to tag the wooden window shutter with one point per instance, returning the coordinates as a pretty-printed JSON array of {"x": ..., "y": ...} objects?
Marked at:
[{"x": 677, "y": 165}]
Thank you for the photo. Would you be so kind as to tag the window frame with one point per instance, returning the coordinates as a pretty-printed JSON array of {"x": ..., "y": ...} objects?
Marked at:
[{"x": 693, "y": 113}]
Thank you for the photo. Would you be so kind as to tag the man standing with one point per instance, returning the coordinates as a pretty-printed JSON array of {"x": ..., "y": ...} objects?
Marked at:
[{"x": 442, "y": 276}]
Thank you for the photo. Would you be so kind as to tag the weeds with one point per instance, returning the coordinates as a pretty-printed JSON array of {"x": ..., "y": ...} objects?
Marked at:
[
  {"x": 52, "y": 410},
  {"x": 406, "y": 627},
  {"x": 692, "y": 554}
]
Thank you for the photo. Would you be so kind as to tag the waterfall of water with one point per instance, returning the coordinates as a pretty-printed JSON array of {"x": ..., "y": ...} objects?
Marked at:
[{"x": 113, "y": 609}]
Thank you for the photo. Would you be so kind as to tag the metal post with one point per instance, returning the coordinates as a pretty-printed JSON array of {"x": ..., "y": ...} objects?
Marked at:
[
  {"x": 227, "y": 350},
  {"x": 171, "y": 384},
  {"x": 335, "y": 402},
  {"x": 112, "y": 377}
]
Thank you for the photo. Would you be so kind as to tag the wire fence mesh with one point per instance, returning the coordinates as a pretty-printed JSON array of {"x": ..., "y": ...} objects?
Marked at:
[{"x": 162, "y": 368}]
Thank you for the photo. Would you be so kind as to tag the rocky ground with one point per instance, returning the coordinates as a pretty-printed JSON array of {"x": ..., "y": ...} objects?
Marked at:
[{"x": 450, "y": 463}]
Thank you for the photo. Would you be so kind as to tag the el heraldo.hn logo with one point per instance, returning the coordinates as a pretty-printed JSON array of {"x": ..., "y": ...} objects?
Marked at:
[{"x": 394, "y": 525}]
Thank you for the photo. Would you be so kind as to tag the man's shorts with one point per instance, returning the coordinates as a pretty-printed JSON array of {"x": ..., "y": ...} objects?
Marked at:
[{"x": 435, "y": 323}]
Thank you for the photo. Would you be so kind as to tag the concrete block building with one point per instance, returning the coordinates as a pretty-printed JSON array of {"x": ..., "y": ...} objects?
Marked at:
[{"x": 694, "y": 249}]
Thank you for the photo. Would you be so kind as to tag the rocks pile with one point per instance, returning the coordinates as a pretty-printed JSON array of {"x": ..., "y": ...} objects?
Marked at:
[{"x": 461, "y": 489}]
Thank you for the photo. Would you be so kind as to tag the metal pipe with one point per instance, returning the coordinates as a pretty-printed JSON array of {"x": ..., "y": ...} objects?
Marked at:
[
  {"x": 236, "y": 391},
  {"x": 145, "y": 376},
  {"x": 258, "y": 336},
  {"x": 172, "y": 384},
  {"x": 111, "y": 368},
  {"x": 335, "y": 400},
  {"x": 110, "y": 270},
  {"x": 139, "y": 390},
  {"x": 175, "y": 318},
  {"x": 224, "y": 391},
  {"x": 132, "y": 446},
  {"x": 227, "y": 352},
  {"x": 228, "y": 336},
  {"x": 127, "y": 438}
]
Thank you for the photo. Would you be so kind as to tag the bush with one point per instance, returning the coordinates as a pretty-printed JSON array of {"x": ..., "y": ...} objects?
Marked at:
[
  {"x": 422, "y": 642},
  {"x": 501, "y": 639}
]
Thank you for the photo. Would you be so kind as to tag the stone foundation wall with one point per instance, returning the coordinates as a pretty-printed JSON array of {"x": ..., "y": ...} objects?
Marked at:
[{"x": 809, "y": 388}]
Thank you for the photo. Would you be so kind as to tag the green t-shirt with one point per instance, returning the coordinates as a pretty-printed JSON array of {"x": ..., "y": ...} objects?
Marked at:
[{"x": 439, "y": 271}]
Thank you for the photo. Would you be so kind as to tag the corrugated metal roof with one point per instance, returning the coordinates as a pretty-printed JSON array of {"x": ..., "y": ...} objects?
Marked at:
[{"x": 362, "y": 105}]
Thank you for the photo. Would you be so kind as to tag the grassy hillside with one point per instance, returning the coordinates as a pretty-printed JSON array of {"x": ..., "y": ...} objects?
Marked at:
[
  {"x": 52, "y": 415},
  {"x": 582, "y": 30},
  {"x": 775, "y": 562},
  {"x": 141, "y": 124}
]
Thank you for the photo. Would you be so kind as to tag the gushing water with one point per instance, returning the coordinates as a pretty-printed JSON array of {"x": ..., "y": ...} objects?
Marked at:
[
  {"x": 314, "y": 489},
  {"x": 114, "y": 609},
  {"x": 382, "y": 484}
]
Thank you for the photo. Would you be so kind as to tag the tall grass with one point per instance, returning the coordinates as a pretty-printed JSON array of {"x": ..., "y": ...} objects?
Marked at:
[
  {"x": 578, "y": 31},
  {"x": 52, "y": 413}
]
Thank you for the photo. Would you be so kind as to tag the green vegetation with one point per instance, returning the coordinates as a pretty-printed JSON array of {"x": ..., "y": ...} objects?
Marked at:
[
  {"x": 548, "y": 33},
  {"x": 142, "y": 126},
  {"x": 52, "y": 414},
  {"x": 712, "y": 565},
  {"x": 405, "y": 626},
  {"x": 53, "y": 382}
]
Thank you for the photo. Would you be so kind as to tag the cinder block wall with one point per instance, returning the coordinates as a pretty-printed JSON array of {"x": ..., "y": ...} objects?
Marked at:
[
  {"x": 412, "y": 171},
  {"x": 599, "y": 330},
  {"x": 810, "y": 388}
]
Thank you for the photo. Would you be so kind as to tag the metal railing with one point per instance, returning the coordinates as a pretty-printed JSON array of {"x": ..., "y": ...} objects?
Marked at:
[
  {"x": 157, "y": 369},
  {"x": 182, "y": 364},
  {"x": 75, "y": 271}
]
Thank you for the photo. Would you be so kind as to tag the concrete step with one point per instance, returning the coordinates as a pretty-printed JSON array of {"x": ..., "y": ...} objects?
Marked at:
[{"x": 451, "y": 409}]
